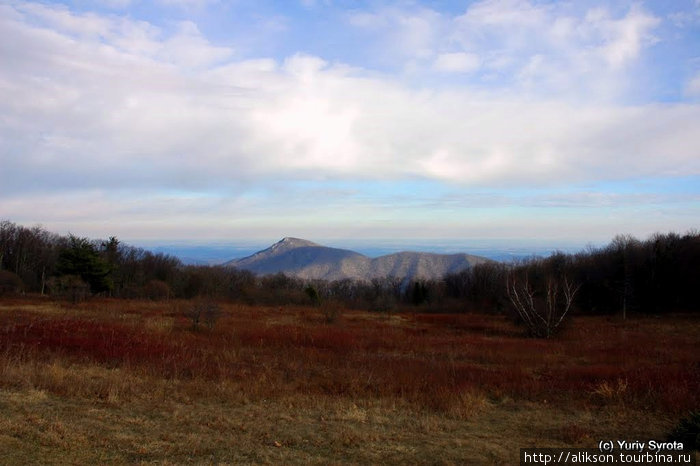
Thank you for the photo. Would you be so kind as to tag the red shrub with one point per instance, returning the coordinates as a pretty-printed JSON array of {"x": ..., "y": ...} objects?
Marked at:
[{"x": 427, "y": 359}]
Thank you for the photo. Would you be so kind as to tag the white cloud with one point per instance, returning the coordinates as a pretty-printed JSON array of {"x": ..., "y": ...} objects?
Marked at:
[
  {"x": 94, "y": 104},
  {"x": 457, "y": 62},
  {"x": 622, "y": 39},
  {"x": 692, "y": 87},
  {"x": 115, "y": 3},
  {"x": 188, "y": 4},
  {"x": 685, "y": 17},
  {"x": 408, "y": 33},
  {"x": 96, "y": 110},
  {"x": 545, "y": 48},
  {"x": 139, "y": 39},
  {"x": 60, "y": 19},
  {"x": 505, "y": 13},
  {"x": 188, "y": 48}
]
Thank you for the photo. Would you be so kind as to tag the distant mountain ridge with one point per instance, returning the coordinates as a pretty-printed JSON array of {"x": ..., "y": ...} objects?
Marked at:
[{"x": 308, "y": 260}]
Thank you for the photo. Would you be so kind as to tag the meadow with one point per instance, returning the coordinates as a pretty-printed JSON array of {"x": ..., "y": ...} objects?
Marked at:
[{"x": 131, "y": 382}]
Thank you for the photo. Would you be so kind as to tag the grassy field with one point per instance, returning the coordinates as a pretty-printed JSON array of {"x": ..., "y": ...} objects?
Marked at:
[{"x": 130, "y": 382}]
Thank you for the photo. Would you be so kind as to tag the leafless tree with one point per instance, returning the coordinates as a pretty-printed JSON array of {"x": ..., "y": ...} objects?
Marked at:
[{"x": 541, "y": 313}]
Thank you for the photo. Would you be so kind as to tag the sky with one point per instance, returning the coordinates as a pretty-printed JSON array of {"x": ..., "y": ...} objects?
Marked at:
[{"x": 251, "y": 120}]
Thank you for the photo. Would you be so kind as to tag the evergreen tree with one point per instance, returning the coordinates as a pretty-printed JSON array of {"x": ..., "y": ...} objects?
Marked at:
[{"x": 81, "y": 258}]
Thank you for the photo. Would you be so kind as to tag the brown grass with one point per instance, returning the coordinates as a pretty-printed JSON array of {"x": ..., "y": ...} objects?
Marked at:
[{"x": 112, "y": 381}]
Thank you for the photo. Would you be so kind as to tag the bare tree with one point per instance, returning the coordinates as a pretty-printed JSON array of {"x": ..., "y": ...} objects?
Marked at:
[{"x": 542, "y": 314}]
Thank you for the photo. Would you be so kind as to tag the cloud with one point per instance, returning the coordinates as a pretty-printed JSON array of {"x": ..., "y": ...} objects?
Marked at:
[
  {"x": 313, "y": 3},
  {"x": 457, "y": 62},
  {"x": 61, "y": 19},
  {"x": 137, "y": 39},
  {"x": 188, "y": 4},
  {"x": 102, "y": 114},
  {"x": 406, "y": 32},
  {"x": 557, "y": 49},
  {"x": 545, "y": 48},
  {"x": 325, "y": 213},
  {"x": 692, "y": 87},
  {"x": 188, "y": 48},
  {"x": 505, "y": 14},
  {"x": 125, "y": 106},
  {"x": 115, "y": 4},
  {"x": 621, "y": 39}
]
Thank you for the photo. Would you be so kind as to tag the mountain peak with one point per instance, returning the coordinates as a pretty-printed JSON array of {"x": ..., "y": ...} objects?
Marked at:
[
  {"x": 289, "y": 242},
  {"x": 307, "y": 260}
]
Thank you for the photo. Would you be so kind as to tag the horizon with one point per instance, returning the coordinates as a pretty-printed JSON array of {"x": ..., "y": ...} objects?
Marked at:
[
  {"x": 505, "y": 250},
  {"x": 195, "y": 120}
]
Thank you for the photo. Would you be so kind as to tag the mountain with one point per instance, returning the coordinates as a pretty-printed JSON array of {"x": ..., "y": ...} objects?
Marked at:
[{"x": 305, "y": 259}]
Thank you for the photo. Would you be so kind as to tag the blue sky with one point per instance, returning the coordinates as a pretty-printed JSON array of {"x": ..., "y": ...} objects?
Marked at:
[{"x": 206, "y": 120}]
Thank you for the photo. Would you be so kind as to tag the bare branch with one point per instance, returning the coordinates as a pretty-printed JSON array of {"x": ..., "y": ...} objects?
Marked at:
[{"x": 558, "y": 298}]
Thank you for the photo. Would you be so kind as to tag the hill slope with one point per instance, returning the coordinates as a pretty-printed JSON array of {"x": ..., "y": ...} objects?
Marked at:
[{"x": 308, "y": 260}]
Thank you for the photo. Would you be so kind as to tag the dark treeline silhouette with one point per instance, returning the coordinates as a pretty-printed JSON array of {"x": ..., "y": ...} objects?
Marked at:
[{"x": 658, "y": 275}]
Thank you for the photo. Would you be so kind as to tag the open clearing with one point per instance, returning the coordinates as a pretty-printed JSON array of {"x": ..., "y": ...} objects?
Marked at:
[{"x": 130, "y": 382}]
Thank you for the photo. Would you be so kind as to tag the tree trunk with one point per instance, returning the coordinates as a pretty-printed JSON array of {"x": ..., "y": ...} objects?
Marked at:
[{"x": 43, "y": 280}]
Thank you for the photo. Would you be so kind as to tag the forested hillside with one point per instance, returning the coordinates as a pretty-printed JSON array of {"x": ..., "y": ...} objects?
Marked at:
[{"x": 657, "y": 275}]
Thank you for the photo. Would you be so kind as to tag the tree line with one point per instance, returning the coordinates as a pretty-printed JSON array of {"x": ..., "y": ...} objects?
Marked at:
[{"x": 657, "y": 275}]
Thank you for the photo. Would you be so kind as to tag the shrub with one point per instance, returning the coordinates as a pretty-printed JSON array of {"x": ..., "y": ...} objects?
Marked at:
[
  {"x": 385, "y": 304},
  {"x": 611, "y": 391},
  {"x": 10, "y": 283},
  {"x": 330, "y": 311},
  {"x": 687, "y": 431},
  {"x": 544, "y": 312},
  {"x": 206, "y": 312},
  {"x": 312, "y": 293},
  {"x": 157, "y": 290},
  {"x": 70, "y": 287}
]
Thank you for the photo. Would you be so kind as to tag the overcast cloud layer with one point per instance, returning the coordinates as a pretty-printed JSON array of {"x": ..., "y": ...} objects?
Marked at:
[{"x": 185, "y": 119}]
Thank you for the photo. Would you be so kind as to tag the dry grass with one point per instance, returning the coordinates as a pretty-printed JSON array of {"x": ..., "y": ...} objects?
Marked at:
[{"x": 128, "y": 382}]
